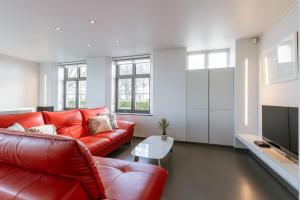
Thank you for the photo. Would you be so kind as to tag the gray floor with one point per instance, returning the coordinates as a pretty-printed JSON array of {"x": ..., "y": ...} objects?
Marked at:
[{"x": 204, "y": 172}]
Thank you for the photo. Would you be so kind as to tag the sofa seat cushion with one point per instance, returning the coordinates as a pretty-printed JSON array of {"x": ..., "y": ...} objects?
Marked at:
[
  {"x": 95, "y": 143},
  {"x": 114, "y": 136},
  {"x": 128, "y": 181}
]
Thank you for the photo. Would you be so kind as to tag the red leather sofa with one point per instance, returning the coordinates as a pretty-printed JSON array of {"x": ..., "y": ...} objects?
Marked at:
[
  {"x": 74, "y": 123},
  {"x": 50, "y": 167}
]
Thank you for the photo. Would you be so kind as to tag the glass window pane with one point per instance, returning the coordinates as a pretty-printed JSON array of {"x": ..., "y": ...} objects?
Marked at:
[
  {"x": 124, "y": 86},
  {"x": 196, "y": 61},
  {"x": 83, "y": 70},
  {"x": 124, "y": 101},
  {"x": 82, "y": 101},
  {"x": 142, "y": 85},
  {"x": 72, "y": 72},
  {"x": 142, "y": 94},
  {"x": 143, "y": 68},
  {"x": 124, "y": 95},
  {"x": 82, "y": 87},
  {"x": 125, "y": 69},
  {"x": 71, "y": 87},
  {"x": 218, "y": 60},
  {"x": 142, "y": 101},
  {"x": 71, "y": 101}
]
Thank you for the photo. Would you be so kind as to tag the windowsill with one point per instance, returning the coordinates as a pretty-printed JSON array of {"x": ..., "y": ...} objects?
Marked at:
[{"x": 137, "y": 114}]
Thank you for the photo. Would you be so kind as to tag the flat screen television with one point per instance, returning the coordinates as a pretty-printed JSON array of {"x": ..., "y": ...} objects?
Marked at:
[{"x": 280, "y": 128}]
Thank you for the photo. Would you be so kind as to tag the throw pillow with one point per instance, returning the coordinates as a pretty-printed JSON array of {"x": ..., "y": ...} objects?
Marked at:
[
  {"x": 16, "y": 127},
  {"x": 112, "y": 118},
  {"x": 99, "y": 124},
  {"x": 44, "y": 129}
]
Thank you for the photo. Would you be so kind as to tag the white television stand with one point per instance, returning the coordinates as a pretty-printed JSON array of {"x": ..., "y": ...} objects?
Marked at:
[{"x": 284, "y": 167}]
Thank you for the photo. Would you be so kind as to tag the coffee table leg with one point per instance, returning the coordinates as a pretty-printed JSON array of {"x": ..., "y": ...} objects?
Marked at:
[
  {"x": 136, "y": 159},
  {"x": 158, "y": 160}
]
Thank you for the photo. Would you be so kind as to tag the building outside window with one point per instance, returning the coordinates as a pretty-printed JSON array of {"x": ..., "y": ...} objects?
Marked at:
[
  {"x": 75, "y": 86},
  {"x": 209, "y": 59},
  {"x": 133, "y": 85}
]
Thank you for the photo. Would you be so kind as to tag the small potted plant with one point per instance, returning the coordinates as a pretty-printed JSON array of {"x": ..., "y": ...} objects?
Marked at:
[{"x": 164, "y": 125}]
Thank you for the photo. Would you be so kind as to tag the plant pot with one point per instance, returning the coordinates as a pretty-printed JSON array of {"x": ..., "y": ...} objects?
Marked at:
[{"x": 164, "y": 137}]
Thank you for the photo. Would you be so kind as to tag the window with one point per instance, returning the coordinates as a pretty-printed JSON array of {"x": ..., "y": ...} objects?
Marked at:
[
  {"x": 75, "y": 86},
  {"x": 133, "y": 85},
  {"x": 208, "y": 59}
]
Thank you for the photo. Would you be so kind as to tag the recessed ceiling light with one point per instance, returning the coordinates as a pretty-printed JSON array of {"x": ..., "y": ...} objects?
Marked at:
[
  {"x": 88, "y": 45},
  {"x": 92, "y": 21},
  {"x": 117, "y": 41},
  {"x": 58, "y": 28}
]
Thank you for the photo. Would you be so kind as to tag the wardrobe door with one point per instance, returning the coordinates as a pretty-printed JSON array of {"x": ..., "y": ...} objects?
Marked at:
[
  {"x": 221, "y": 127},
  {"x": 221, "y": 88},
  {"x": 197, "y": 125},
  {"x": 221, "y": 101},
  {"x": 197, "y": 106}
]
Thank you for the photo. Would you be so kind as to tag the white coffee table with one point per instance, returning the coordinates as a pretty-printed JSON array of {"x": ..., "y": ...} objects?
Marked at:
[{"x": 153, "y": 147}]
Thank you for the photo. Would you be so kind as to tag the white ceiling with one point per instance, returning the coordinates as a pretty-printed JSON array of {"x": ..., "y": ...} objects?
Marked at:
[{"x": 27, "y": 27}]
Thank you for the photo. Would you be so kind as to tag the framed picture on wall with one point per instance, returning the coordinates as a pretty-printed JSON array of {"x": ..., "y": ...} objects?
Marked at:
[{"x": 280, "y": 63}]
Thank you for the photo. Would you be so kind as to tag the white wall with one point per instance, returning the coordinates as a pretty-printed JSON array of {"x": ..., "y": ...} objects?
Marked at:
[
  {"x": 19, "y": 80},
  {"x": 169, "y": 95},
  {"x": 169, "y": 89},
  {"x": 245, "y": 48},
  {"x": 298, "y": 17},
  {"x": 54, "y": 85},
  {"x": 98, "y": 69},
  {"x": 282, "y": 94}
]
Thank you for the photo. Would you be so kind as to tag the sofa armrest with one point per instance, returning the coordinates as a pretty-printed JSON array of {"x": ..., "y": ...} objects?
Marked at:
[{"x": 125, "y": 125}]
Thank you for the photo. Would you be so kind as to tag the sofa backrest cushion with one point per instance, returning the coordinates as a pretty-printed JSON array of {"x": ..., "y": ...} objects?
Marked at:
[
  {"x": 27, "y": 120},
  {"x": 88, "y": 113},
  {"x": 52, "y": 154},
  {"x": 67, "y": 123}
]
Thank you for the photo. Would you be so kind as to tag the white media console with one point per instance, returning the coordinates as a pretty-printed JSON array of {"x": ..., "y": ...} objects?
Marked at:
[{"x": 285, "y": 168}]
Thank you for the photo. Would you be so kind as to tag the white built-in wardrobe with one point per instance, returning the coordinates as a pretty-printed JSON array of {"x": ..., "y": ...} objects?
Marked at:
[{"x": 210, "y": 103}]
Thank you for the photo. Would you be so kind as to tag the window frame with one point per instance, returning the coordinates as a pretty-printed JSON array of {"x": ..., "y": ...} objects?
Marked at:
[
  {"x": 77, "y": 80},
  {"x": 206, "y": 58},
  {"x": 133, "y": 78}
]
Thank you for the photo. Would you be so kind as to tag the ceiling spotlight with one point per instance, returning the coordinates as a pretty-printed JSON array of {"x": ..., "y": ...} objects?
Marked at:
[
  {"x": 88, "y": 45},
  {"x": 58, "y": 28},
  {"x": 92, "y": 21},
  {"x": 117, "y": 41}
]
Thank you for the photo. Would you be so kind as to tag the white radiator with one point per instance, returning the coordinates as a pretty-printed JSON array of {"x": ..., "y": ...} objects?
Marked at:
[{"x": 16, "y": 110}]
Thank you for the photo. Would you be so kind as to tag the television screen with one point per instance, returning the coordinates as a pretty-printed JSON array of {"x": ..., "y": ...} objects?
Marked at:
[{"x": 280, "y": 128}]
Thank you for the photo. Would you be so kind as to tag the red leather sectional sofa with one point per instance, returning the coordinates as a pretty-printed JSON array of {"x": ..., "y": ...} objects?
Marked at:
[
  {"x": 74, "y": 123},
  {"x": 35, "y": 166}
]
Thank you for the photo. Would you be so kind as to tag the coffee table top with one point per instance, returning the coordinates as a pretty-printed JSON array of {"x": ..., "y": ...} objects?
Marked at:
[{"x": 153, "y": 147}]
